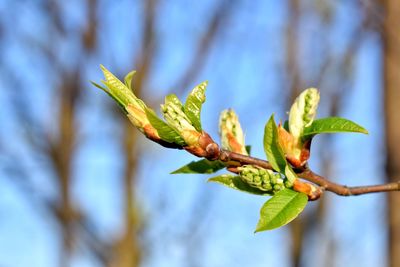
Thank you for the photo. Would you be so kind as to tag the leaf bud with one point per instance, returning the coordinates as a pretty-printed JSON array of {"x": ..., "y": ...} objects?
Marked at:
[{"x": 232, "y": 137}]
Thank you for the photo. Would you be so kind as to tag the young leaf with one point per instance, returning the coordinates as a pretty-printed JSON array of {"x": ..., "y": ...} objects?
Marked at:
[
  {"x": 235, "y": 182},
  {"x": 201, "y": 166},
  {"x": 166, "y": 132},
  {"x": 281, "y": 209},
  {"x": 120, "y": 104},
  {"x": 117, "y": 89},
  {"x": 193, "y": 104},
  {"x": 272, "y": 147},
  {"x": 333, "y": 125},
  {"x": 248, "y": 149},
  {"x": 175, "y": 100},
  {"x": 286, "y": 125},
  {"x": 128, "y": 79}
]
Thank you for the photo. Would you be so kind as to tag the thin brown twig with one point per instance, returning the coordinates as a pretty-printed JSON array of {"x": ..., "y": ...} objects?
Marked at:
[{"x": 308, "y": 175}]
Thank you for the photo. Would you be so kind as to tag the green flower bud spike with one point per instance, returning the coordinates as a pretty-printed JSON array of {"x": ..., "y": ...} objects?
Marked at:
[
  {"x": 303, "y": 111},
  {"x": 263, "y": 179},
  {"x": 232, "y": 137}
]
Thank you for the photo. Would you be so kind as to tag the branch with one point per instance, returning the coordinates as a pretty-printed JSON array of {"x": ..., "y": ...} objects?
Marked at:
[{"x": 307, "y": 174}]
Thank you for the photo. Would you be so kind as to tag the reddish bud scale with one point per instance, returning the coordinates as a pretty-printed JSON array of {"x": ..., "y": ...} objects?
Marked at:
[
  {"x": 233, "y": 143},
  {"x": 205, "y": 147},
  {"x": 312, "y": 191},
  {"x": 296, "y": 153}
]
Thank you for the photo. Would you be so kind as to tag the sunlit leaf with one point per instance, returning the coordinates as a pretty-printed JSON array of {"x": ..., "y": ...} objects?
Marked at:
[
  {"x": 201, "y": 166},
  {"x": 117, "y": 89},
  {"x": 235, "y": 182},
  {"x": 173, "y": 99},
  {"x": 120, "y": 104},
  {"x": 248, "y": 149},
  {"x": 333, "y": 125},
  {"x": 166, "y": 132},
  {"x": 193, "y": 104},
  {"x": 281, "y": 209},
  {"x": 272, "y": 147},
  {"x": 128, "y": 79}
]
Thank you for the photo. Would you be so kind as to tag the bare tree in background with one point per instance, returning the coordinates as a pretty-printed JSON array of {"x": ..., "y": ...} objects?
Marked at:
[
  {"x": 391, "y": 79},
  {"x": 336, "y": 84},
  {"x": 60, "y": 145}
]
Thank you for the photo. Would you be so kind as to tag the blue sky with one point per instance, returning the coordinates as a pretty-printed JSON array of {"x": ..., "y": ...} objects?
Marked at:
[{"x": 244, "y": 71}]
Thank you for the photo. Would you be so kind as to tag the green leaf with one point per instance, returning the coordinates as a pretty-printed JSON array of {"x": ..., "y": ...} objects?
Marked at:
[
  {"x": 193, "y": 104},
  {"x": 166, "y": 132},
  {"x": 128, "y": 79},
  {"x": 235, "y": 182},
  {"x": 248, "y": 149},
  {"x": 173, "y": 99},
  {"x": 281, "y": 209},
  {"x": 286, "y": 126},
  {"x": 272, "y": 147},
  {"x": 117, "y": 89},
  {"x": 120, "y": 104},
  {"x": 201, "y": 166},
  {"x": 333, "y": 125}
]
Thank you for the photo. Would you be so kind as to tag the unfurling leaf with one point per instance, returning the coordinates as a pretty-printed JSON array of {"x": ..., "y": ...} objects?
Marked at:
[
  {"x": 272, "y": 147},
  {"x": 201, "y": 166},
  {"x": 248, "y": 149},
  {"x": 135, "y": 108},
  {"x": 166, "y": 132},
  {"x": 333, "y": 125},
  {"x": 281, "y": 209},
  {"x": 193, "y": 104},
  {"x": 119, "y": 90},
  {"x": 235, "y": 182},
  {"x": 120, "y": 104},
  {"x": 175, "y": 117},
  {"x": 128, "y": 79}
]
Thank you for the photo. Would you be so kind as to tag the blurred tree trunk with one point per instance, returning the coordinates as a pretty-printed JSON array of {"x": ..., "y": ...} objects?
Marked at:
[
  {"x": 391, "y": 64},
  {"x": 294, "y": 75},
  {"x": 128, "y": 249}
]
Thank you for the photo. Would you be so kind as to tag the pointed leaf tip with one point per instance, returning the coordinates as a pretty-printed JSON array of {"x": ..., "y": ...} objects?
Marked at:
[
  {"x": 236, "y": 182},
  {"x": 128, "y": 79},
  {"x": 281, "y": 209},
  {"x": 333, "y": 125},
  {"x": 117, "y": 89},
  {"x": 194, "y": 103},
  {"x": 201, "y": 167}
]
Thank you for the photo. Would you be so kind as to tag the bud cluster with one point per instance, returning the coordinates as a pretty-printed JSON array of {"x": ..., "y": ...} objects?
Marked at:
[
  {"x": 181, "y": 128},
  {"x": 232, "y": 137},
  {"x": 263, "y": 179},
  {"x": 175, "y": 116}
]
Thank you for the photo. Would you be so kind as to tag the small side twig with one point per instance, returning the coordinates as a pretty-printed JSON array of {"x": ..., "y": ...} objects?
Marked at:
[
  {"x": 344, "y": 190},
  {"x": 308, "y": 175}
]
